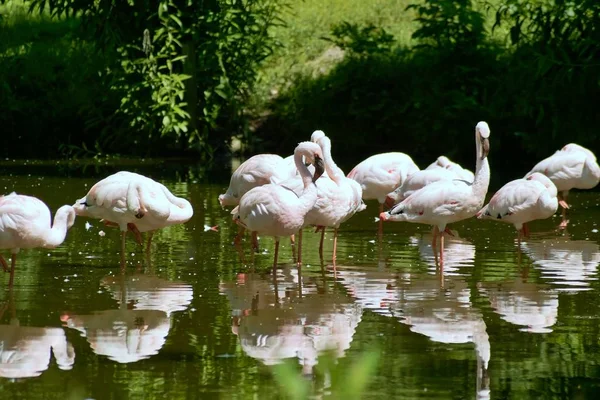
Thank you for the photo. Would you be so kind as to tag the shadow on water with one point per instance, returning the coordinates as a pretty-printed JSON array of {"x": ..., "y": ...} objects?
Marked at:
[{"x": 194, "y": 321}]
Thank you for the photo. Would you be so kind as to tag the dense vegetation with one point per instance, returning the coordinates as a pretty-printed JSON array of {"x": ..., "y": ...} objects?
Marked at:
[{"x": 168, "y": 77}]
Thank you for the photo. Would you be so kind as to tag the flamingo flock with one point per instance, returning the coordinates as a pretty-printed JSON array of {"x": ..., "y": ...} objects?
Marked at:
[{"x": 275, "y": 196}]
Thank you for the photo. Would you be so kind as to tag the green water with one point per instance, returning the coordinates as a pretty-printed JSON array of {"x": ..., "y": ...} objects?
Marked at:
[{"x": 198, "y": 322}]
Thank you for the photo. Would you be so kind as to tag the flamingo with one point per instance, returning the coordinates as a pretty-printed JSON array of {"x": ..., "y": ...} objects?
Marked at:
[
  {"x": 445, "y": 162},
  {"x": 419, "y": 180},
  {"x": 380, "y": 174},
  {"x": 521, "y": 201},
  {"x": 135, "y": 202},
  {"x": 275, "y": 210},
  {"x": 572, "y": 167},
  {"x": 256, "y": 171},
  {"x": 338, "y": 199},
  {"x": 26, "y": 222},
  {"x": 447, "y": 201}
]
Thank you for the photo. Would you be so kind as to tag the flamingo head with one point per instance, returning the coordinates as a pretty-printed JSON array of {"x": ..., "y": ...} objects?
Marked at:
[
  {"x": 482, "y": 131},
  {"x": 316, "y": 135}
]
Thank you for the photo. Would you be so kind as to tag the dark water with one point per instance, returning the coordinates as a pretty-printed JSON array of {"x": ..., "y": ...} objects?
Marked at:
[{"x": 197, "y": 322}]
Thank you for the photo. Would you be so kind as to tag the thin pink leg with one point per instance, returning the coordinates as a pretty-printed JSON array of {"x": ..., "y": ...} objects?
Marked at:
[
  {"x": 321, "y": 244},
  {"x": 276, "y": 255},
  {"x": 238, "y": 237},
  {"x": 300, "y": 247},
  {"x": 4, "y": 263},
  {"x": 442, "y": 251},
  {"x": 380, "y": 221},
  {"x": 255, "y": 241},
  {"x": 434, "y": 243},
  {"x": 13, "y": 263},
  {"x": 292, "y": 239},
  {"x": 335, "y": 232}
]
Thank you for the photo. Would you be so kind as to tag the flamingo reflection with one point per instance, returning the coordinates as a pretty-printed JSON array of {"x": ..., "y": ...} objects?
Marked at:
[
  {"x": 139, "y": 327},
  {"x": 25, "y": 351},
  {"x": 568, "y": 264},
  {"x": 288, "y": 318}
]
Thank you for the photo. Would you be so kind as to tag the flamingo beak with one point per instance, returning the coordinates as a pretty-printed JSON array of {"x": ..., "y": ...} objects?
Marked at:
[
  {"x": 319, "y": 167},
  {"x": 485, "y": 147}
]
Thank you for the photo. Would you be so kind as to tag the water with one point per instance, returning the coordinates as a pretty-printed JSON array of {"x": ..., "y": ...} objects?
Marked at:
[{"x": 197, "y": 322}]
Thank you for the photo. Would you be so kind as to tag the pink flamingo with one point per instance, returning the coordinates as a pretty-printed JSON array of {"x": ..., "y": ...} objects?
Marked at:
[
  {"x": 572, "y": 167},
  {"x": 521, "y": 201},
  {"x": 133, "y": 202},
  {"x": 25, "y": 223},
  {"x": 258, "y": 170},
  {"x": 338, "y": 198},
  {"x": 417, "y": 181},
  {"x": 445, "y": 162},
  {"x": 277, "y": 211},
  {"x": 381, "y": 174},
  {"x": 448, "y": 201}
]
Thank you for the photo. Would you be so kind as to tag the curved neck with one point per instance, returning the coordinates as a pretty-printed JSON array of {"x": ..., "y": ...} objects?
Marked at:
[
  {"x": 482, "y": 171},
  {"x": 334, "y": 172},
  {"x": 304, "y": 172},
  {"x": 57, "y": 233}
]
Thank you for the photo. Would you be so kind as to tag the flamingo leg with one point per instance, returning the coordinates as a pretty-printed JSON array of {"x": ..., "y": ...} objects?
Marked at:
[
  {"x": 276, "y": 255},
  {"x": 300, "y": 247},
  {"x": 123, "y": 233},
  {"x": 335, "y": 232},
  {"x": 255, "y": 241},
  {"x": 136, "y": 233},
  {"x": 13, "y": 264},
  {"x": 4, "y": 264},
  {"x": 321, "y": 244},
  {"x": 292, "y": 239},
  {"x": 380, "y": 232},
  {"x": 238, "y": 237},
  {"x": 442, "y": 250},
  {"x": 525, "y": 230},
  {"x": 434, "y": 243},
  {"x": 148, "y": 244}
]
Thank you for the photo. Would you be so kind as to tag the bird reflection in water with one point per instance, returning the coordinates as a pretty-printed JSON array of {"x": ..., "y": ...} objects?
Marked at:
[
  {"x": 25, "y": 351},
  {"x": 438, "y": 308},
  {"x": 290, "y": 318},
  {"x": 568, "y": 265},
  {"x": 139, "y": 327},
  {"x": 532, "y": 307}
]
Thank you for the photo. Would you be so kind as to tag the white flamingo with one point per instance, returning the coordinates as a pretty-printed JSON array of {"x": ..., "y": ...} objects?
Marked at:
[
  {"x": 445, "y": 162},
  {"x": 381, "y": 174},
  {"x": 275, "y": 210},
  {"x": 338, "y": 199},
  {"x": 521, "y": 201},
  {"x": 418, "y": 181},
  {"x": 25, "y": 223},
  {"x": 133, "y": 201},
  {"x": 572, "y": 167},
  {"x": 444, "y": 202}
]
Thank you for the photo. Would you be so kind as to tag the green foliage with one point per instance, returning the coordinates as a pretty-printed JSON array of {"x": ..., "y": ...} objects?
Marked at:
[{"x": 361, "y": 40}]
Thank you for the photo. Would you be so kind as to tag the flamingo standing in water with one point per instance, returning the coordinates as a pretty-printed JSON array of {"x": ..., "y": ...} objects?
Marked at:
[
  {"x": 447, "y": 201},
  {"x": 277, "y": 211},
  {"x": 133, "y": 202},
  {"x": 25, "y": 223},
  {"x": 256, "y": 171},
  {"x": 445, "y": 162},
  {"x": 338, "y": 199},
  {"x": 381, "y": 174},
  {"x": 572, "y": 167},
  {"x": 521, "y": 201}
]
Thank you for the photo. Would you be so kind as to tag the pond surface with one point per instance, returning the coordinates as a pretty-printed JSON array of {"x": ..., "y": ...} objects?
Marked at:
[{"x": 196, "y": 321}]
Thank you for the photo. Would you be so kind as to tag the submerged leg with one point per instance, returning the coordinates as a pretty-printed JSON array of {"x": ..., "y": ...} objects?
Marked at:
[
  {"x": 13, "y": 263},
  {"x": 525, "y": 230},
  {"x": 434, "y": 243}
]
